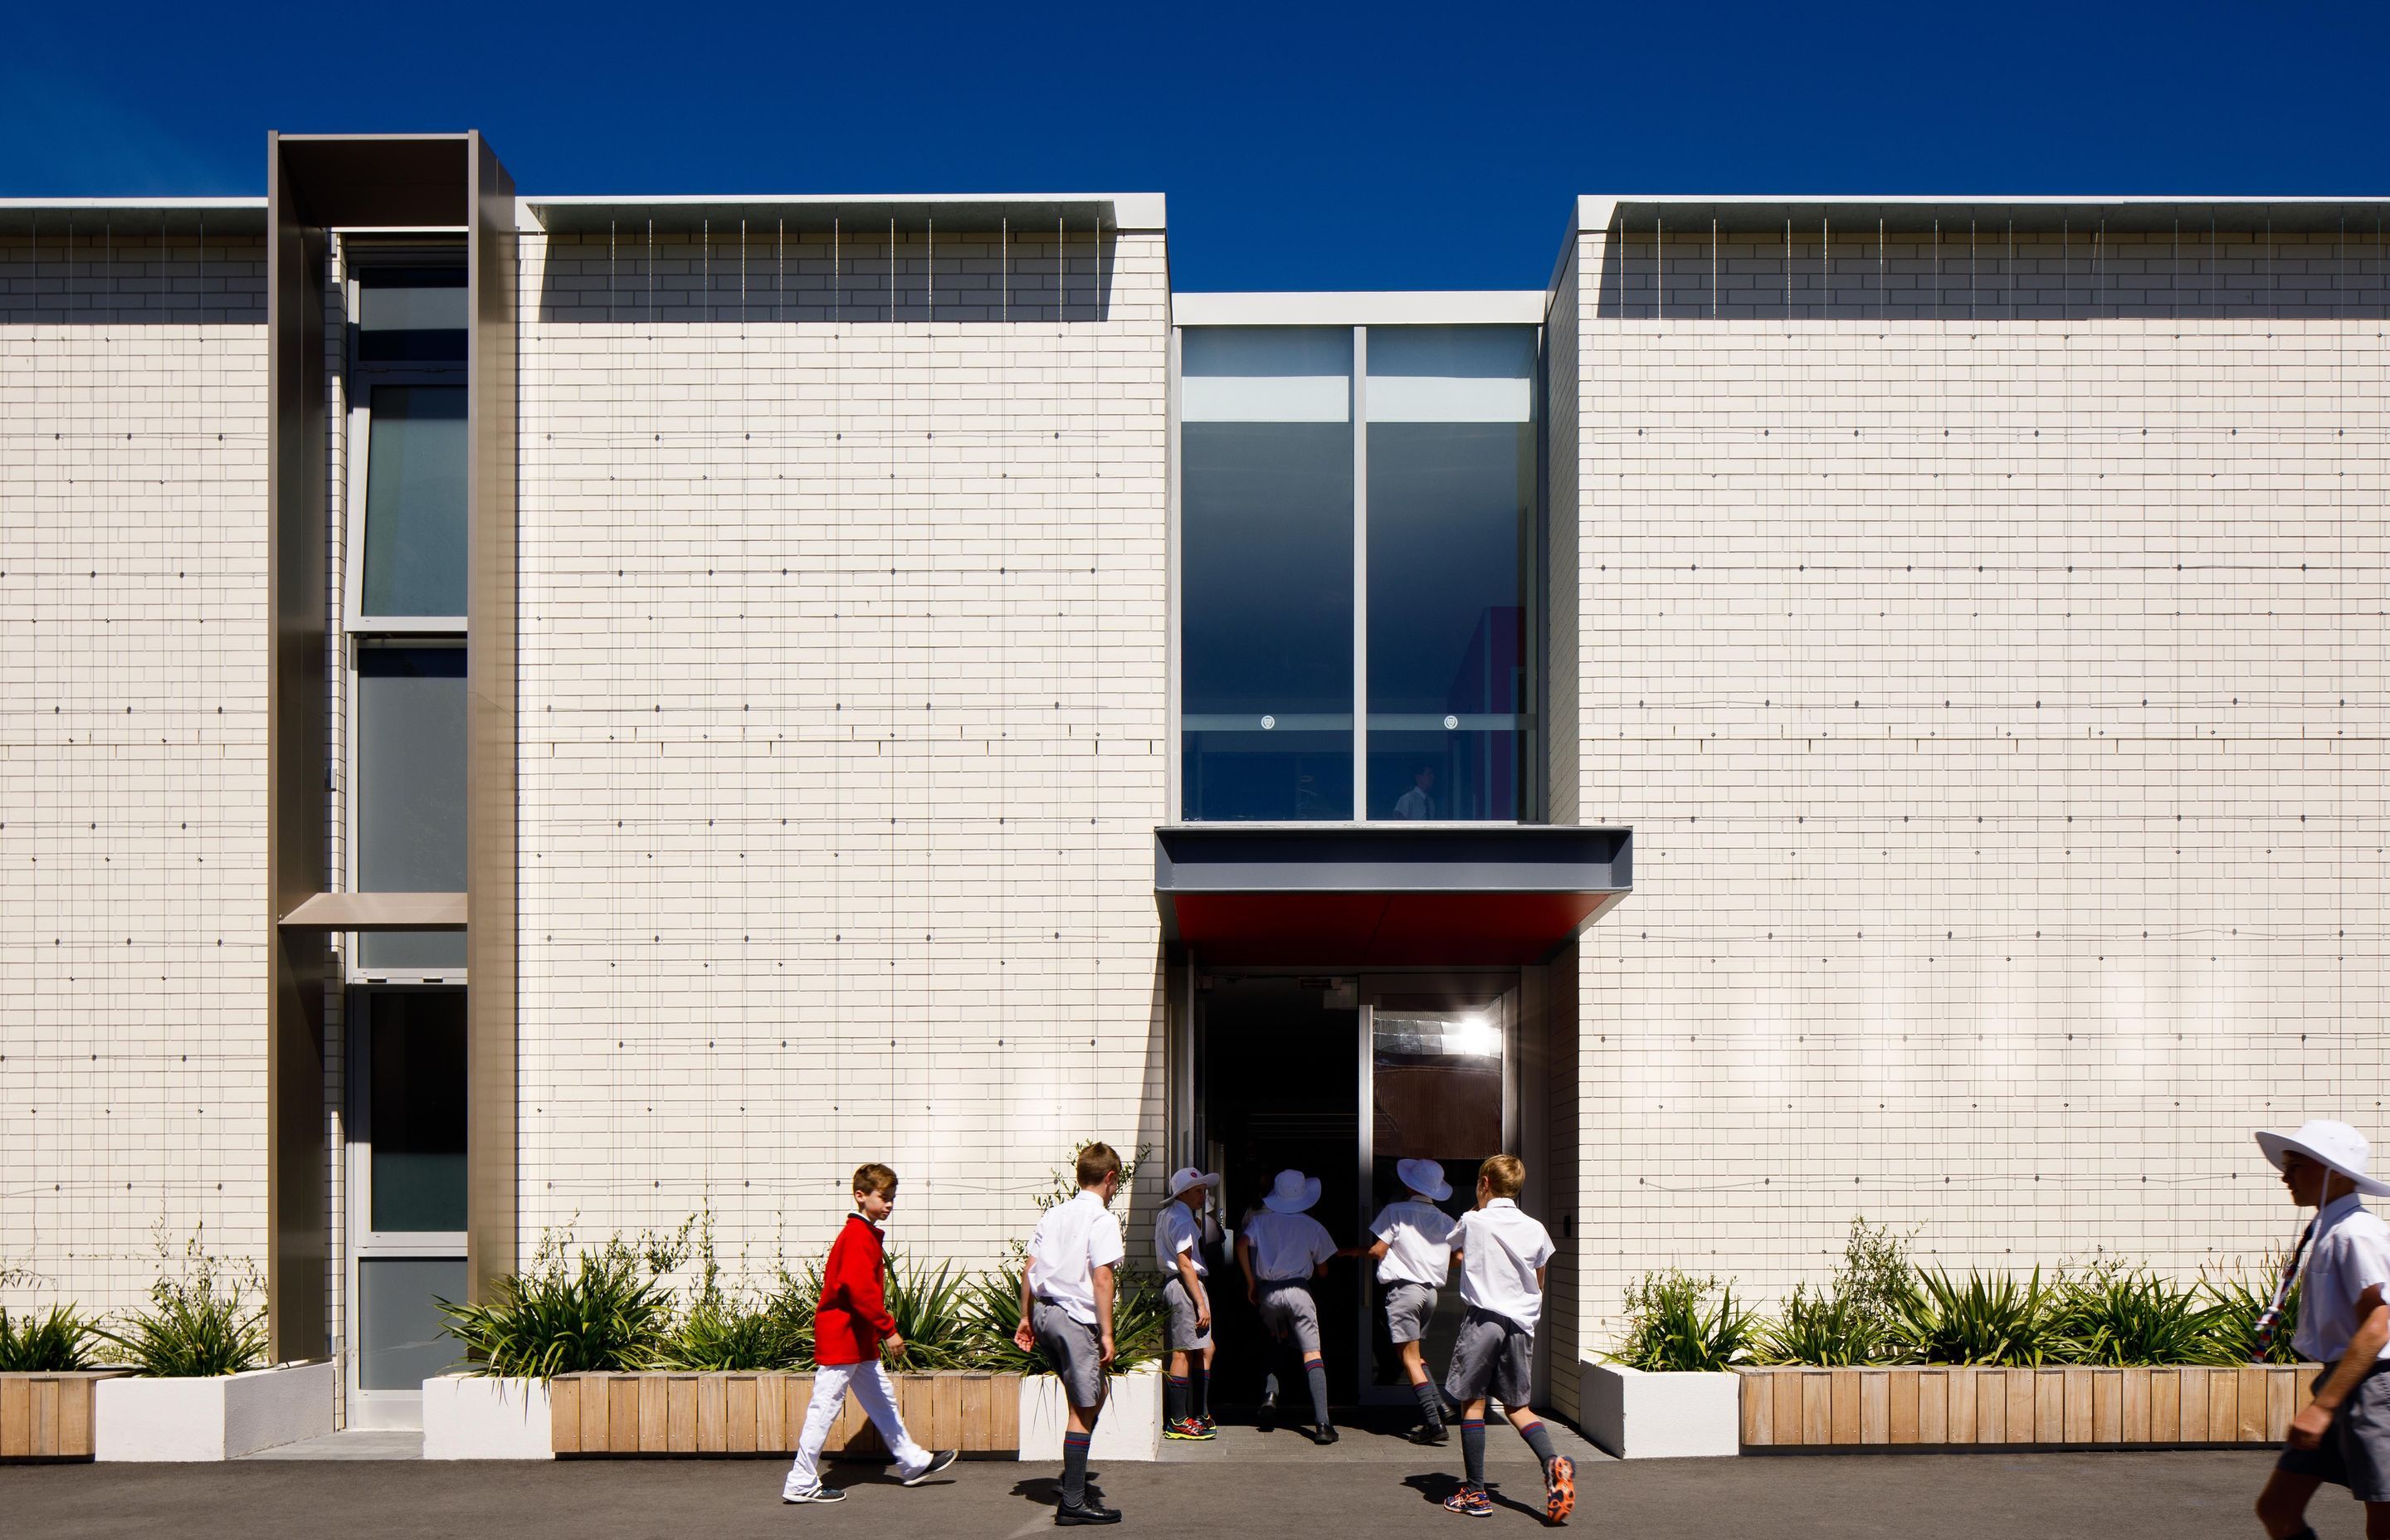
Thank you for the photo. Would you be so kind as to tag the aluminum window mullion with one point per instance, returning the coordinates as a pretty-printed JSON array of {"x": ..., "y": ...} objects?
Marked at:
[{"x": 1361, "y": 574}]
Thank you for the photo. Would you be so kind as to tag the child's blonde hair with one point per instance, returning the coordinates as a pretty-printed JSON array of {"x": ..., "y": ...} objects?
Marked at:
[
  {"x": 873, "y": 1177},
  {"x": 1504, "y": 1175}
]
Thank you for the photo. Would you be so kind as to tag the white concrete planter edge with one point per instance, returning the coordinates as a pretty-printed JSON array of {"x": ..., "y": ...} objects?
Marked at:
[
  {"x": 473, "y": 1416},
  {"x": 1636, "y": 1416},
  {"x": 218, "y": 1419},
  {"x": 1130, "y": 1428}
]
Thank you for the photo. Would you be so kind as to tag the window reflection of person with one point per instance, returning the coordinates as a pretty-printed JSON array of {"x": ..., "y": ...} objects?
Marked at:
[{"x": 1419, "y": 801}]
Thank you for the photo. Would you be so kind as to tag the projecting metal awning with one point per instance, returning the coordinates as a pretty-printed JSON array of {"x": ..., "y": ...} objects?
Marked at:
[
  {"x": 378, "y": 912},
  {"x": 1385, "y": 894}
]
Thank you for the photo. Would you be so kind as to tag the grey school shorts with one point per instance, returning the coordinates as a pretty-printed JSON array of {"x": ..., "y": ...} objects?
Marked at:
[
  {"x": 1072, "y": 1351},
  {"x": 2356, "y": 1450},
  {"x": 1408, "y": 1307},
  {"x": 1183, "y": 1337},
  {"x": 1493, "y": 1356},
  {"x": 1288, "y": 1310}
]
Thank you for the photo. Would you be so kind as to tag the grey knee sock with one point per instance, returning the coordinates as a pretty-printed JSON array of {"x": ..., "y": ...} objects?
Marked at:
[
  {"x": 1430, "y": 1404},
  {"x": 1540, "y": 1441},
  {"x": 1472, "y": 1451},
  {"x": 1317, "y": 1379},
  {"x": 1074, "y": 1468}
]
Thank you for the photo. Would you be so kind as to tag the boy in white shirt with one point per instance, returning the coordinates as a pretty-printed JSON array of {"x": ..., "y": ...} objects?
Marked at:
[
  {"x": 1281, "y": 1251},
  {"x": 1066, "y": 1313},
  {"x": 1178, "y": 1247},
  {"x": 2343, "y": 1434},
  {"x": 1502, "y": 1255},
  {"x": 1414, "y": 1255}
]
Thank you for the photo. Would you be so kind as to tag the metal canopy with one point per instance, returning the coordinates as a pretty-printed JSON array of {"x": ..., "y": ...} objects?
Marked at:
[{"x": 1385, "y": 894}]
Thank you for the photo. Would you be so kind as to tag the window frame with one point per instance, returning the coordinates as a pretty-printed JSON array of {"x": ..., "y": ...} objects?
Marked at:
[{"x": 354, "y": 645}]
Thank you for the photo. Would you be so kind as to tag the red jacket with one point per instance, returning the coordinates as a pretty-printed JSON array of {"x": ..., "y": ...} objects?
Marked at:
[{"x": 853, "y": 1315}]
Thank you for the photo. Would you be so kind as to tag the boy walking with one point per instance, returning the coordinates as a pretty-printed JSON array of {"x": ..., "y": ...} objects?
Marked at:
[
  {"x": 2343, "y": 1434},
  {"x": 1066, "y": 1313},
  {"x": 851, "y": 1324},
  {"x": 1281, "y": 1251},
  {"x": 1502, "y": 1257},
  {"x": 1414, "y": 1254},
  {"x": 1178, "y": 1246}
]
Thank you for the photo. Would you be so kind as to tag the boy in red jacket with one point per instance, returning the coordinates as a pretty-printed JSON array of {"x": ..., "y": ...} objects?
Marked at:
[{"x": 850, "y": 1324}]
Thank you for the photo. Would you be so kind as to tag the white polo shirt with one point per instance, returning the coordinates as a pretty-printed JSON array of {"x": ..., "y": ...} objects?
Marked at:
[
  {"x": 1287, "y": 1245},
  {"x": 2349, "y": 1254},
  {"x": 1418, "y": 1243},
  {"x": 1175, "y": 1230},
  {"x": 1501, "y": 1249},
  {"x": 1070, "y": 1243}
]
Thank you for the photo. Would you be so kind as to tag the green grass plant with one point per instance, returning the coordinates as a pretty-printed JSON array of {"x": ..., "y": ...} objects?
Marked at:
[
  {"x": 991, "y": 1303},
  {"x": 51, "y": 1343},
  {"x": 607, "y": 1312},
  {"x": 1987, "y": 1320},
  {"x": 1674, "y": 1326},
  {"x": 929, "y": 1311},
  {"x": 2115, "y": 1315},
  {"x": 2238, "y": 1300},
  {"x": 197, "y": 1326},
  {"x": 1828, "y": 1329}
]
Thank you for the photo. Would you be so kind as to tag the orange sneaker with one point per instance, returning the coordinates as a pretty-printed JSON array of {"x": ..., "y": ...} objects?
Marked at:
[{"x": 1560, "y": 1490}]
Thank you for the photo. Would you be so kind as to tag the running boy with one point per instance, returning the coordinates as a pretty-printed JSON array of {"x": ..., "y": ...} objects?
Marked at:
[
  {"x": 2342, "y": 1435},
  {"x": 1414, "y": 1254},
  {"x": 851, "y": 1325},
  {"x": 1502, "y": 1256},
  {"x": 1178, "y": 1247},
  {"x": 1281, "y": 1251},
  {"x": 1066, "y": 1313}
]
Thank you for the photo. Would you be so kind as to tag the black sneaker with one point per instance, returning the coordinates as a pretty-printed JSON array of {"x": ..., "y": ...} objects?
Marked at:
[
  {"x": 818, "y": 1494},
  {"x": 939, "y": 1460},
  {"x": 1088, "y": 1511}
]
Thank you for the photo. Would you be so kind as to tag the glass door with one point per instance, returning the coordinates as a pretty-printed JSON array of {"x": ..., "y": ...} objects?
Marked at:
[
  {"x": 406, "y": 1197},
  {"x": 1437, "y": 1063}
]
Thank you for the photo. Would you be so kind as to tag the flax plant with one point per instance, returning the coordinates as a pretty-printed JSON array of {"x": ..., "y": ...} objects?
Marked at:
[
  {"x": 52, "y": 1344},
  {"x": 1673, "y": 1329}
]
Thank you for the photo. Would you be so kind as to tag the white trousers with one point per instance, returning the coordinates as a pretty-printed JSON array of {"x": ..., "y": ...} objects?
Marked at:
[{"x": 877, "y": 1394}]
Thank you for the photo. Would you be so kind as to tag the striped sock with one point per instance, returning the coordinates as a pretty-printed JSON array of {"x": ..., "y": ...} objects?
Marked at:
[
  {"x": 1174, "y": 1398},
  {"x": 1540, "y": 1442},
  {"x": 1472, "y": 1451},
  {"x": 1074, "y": 1468}
]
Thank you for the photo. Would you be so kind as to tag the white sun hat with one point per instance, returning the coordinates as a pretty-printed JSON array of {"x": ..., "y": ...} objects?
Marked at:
[
  {"x": 1291, "y": 1193},
  {"x": 1424, "y": 1177},
  {"x": 2326, "y": 1143},
  {"x": 1188, "y": 1176}
]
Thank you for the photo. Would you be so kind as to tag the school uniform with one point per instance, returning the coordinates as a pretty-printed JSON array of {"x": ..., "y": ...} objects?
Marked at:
[
  {"x": 1178, "y": 1233},
  {"x": 1501, "y": 1249},
  {"x": 1418, "y": 1261},
  {"x": 849, "y": 1322},
  {"x": 1288, "y": 1247},
  {"x": 1070, "y": 1243},
  {"x": 2349, "y": 1252}
]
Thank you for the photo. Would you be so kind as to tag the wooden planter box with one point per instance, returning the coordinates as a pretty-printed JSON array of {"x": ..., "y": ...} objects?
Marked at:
[
  {"x": 47, "y": 1416},
  {"x": 675, "y": 1412},
  {"x": 2061, "y": 1406}
]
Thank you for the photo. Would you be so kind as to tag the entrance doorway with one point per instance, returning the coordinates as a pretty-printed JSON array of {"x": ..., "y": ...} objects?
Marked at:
[{"x": 1342, "y": 1076}]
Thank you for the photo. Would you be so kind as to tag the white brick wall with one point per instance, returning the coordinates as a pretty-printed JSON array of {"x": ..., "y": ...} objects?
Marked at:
[
  {"x": 1990, "y": 657},
  {"x": 843, "y": 721},
  {"x": 132, "y": 755}
]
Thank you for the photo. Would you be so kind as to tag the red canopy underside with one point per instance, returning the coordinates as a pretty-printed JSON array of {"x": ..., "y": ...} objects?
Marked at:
[{"x": 1385, "y": 930}]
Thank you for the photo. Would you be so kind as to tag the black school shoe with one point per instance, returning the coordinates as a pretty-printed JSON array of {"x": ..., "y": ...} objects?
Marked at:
[
  {"x": 1324, "y": 1434},
  {"x": 1268, "y": 1418},
  {"x": 1086, "y": 1512},
  {"x": 1426, "y": 1433}
]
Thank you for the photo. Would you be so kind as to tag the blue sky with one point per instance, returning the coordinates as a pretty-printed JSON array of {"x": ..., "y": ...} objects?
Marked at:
[{"x": 1396, "y": 146}]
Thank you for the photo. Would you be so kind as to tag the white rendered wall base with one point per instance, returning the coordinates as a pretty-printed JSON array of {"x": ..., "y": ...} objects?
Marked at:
[
  {"x": 1636, "y": 1416},
  {"x": 487, "y": 1417},
  {"x": 1130, "y": 1428},
  {"x": 211, "y": 1420}
]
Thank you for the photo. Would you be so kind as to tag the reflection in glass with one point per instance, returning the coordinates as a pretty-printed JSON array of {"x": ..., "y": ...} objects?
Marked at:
[
  {"x": 414, "y": 501},
  {"x": 1451, "y": 559},
  {"x": 416, "y": 1116},
  {"x": 411, "y": 316},
  {"x": 410, "y": 793},
  {"x": 399, "y": 1341},
  {"x": 1435, "y": 1081},
  {"x": 1266, "y": 574}
]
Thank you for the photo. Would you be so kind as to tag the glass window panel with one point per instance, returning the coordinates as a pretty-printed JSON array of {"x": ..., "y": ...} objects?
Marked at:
[
  {"x": 1435, "y": 1079},
  {"x": 1451, "y": 557},
  {"x": 1266, "y": 579},
  {"x": 410, "y": 794},
  {"x": 415, "y": 501},
  {"x": 417, "y": 1119},
  {"x": 399, "y": 1341},
  {"x": 411, "y": 316}
]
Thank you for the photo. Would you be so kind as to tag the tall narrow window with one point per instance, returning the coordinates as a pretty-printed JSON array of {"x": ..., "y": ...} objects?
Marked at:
[
  {"x": 1266, "y": 574},
  {"x": 1451, "y": 455},
  {"x": 414, "y": 501},
  {"x": 409, "y": 793}
]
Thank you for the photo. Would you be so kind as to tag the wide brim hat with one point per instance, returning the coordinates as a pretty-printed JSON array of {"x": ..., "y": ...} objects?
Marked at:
[
  {"x": 1291, "y": 1193},
  {"x": 1188, "y": 1176},
  {"x": 1424, "y": 1177},
  {"x": 2334, "y": 1145}
]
